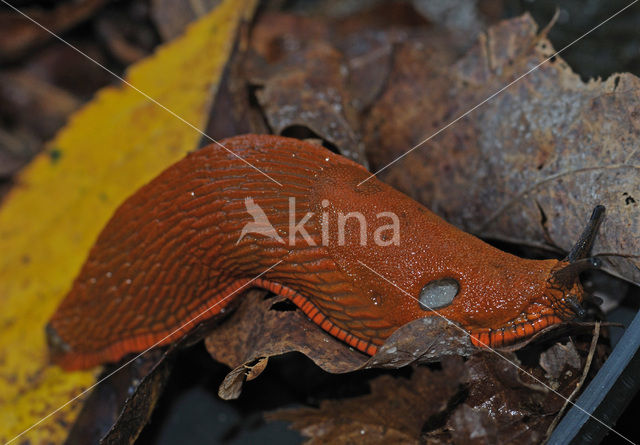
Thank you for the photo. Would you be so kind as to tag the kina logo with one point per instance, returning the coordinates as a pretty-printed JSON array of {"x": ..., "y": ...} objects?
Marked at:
[{"x": 260, "y": 224}]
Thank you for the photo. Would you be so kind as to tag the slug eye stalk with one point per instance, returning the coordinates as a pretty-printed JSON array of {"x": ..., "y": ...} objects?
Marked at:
[
  {"x": 577, "y": 257},
  {"x": 582, "y": 247},
  {"x": 577, "y": 262}
]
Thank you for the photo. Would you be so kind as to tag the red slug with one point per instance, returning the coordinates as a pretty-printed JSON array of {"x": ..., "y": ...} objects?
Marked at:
[{"x": 209, "y": 224}]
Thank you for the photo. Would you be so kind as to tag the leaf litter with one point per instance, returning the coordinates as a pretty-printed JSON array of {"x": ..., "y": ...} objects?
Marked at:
[
  {"x": 527, "y": 168},
  {"x": 531, "y": 164}
]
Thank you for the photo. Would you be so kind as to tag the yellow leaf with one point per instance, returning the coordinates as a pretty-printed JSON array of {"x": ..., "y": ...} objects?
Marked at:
[{"x": 48, "y": 222}]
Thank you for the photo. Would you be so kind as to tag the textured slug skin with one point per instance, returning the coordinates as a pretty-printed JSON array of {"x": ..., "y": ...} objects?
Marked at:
[{"x": 170, "y": 252}]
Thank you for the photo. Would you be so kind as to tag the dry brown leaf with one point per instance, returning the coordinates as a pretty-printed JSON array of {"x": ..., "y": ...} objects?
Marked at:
[
  {"x": 532, "y": 162},
  {"x": 315, "y": 76},
  {"x": 262, "y": 327},
  {"x": 395, "y": 412},
  {"x": 308, "y": 93}
]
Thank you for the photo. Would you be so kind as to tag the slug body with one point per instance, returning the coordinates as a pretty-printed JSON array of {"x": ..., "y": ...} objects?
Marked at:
[{"x": 194, "y": 238}]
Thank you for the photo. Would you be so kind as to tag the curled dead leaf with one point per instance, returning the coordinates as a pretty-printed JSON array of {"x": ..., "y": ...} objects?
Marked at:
[{"x": 262, "y": 327}]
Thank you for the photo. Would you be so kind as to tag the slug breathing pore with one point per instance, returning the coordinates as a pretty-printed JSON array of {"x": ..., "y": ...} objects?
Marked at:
[{"x": 210, "y": 226}]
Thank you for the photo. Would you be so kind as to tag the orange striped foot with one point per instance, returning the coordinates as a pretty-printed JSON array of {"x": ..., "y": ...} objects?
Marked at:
[
  {"x": 511, "y": 333},
  {"x": 314, "y": 314}
]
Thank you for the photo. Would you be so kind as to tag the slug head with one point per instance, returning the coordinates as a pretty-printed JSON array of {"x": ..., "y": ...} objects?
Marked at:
[{"x": 526, "y": 296}]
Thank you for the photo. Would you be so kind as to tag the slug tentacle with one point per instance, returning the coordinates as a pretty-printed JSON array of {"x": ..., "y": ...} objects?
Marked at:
[
  {"x": 566, "y": 293},
  {"x": 575, "y": 306},
  {"x": 583, "y": 246},
  {"x": 568, "y": 274}
]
